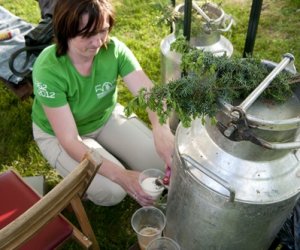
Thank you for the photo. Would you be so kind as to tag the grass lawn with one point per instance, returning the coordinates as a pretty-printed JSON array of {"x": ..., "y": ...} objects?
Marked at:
[{"x": 137, "y": 25}]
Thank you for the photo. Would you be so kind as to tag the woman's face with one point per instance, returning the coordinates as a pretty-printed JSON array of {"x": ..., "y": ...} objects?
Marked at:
[{"x": 89, "y": 46}]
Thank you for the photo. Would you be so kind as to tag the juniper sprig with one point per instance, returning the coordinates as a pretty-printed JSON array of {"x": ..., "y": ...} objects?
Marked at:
[{"x": 207, "y": 80}]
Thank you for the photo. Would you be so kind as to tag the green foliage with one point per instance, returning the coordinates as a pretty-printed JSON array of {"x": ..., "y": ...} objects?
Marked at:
[
  {"x": 168, "y": 15},
  {"x": 209, "y": 79}
]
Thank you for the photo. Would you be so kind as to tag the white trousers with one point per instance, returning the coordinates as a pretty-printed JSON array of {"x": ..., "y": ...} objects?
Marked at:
[{"x": 122, "y": 139}]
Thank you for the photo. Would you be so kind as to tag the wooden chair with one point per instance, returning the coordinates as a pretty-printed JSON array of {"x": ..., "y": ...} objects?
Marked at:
[{"x": 28, "y": 221}]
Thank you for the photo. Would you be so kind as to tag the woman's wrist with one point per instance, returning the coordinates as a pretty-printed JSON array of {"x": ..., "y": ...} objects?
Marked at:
[{"x": 112, "y": 171}]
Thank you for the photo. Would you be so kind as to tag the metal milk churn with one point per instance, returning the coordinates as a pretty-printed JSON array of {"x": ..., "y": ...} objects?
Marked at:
[
  {"x": 233, "y": 184},
  {"x": 210, "y": 22}
]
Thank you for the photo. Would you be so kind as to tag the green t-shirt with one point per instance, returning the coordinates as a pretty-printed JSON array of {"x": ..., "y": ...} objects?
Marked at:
[{"x": 91, "y": 98}]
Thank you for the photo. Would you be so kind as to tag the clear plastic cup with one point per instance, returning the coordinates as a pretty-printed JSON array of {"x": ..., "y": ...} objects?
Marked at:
[
  {"x": 148, "y": 223},
  {"x": 163, "y": 243},
  {"x": 147, "y": 180}
]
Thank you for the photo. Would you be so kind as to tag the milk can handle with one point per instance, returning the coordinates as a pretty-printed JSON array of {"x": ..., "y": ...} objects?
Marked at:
[
  {"x": 276, "y": 145},
  {"x": 206, "y": 17},
  {"x": 287, "y": 59},
  {"x": 211, "y": 175},
  {"x": 200, "y": 11},
  {"x": 229, "y": 24},
  {"x": 239, "y": 112}
]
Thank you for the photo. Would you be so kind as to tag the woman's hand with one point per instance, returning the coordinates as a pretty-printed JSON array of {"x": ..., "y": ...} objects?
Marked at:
[
  {"x": 127, "y": 179},
  {"x": 164, "y": 142},
  {"x": 130, "y": 183},
  {"x": 163, "y": 137}
]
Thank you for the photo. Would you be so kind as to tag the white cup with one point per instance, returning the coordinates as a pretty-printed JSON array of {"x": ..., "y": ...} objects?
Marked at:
[{"x": 147, "y": 180}]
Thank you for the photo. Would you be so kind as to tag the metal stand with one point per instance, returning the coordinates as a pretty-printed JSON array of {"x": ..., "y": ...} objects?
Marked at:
[
  {"x": 187, "y": 19},
  {"x": 252, "y": 27}
]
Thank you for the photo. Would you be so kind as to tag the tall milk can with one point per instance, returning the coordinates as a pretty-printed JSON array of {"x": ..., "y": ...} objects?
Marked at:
[
  {"x": 234, "y": 184},
  {"x": 212, "y": 21}
]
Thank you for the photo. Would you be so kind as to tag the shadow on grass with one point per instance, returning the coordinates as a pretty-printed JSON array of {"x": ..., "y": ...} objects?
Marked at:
[{"x": 111, "y": 225}]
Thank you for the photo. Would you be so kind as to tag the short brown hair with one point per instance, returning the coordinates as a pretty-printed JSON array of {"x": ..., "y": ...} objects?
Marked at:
[{"x": 67, "y": 16}]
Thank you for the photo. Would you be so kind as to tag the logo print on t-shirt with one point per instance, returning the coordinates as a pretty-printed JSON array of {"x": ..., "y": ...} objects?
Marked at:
[
  {"x": 42, "y": 91},
  {"x": 103, "y": 89}
]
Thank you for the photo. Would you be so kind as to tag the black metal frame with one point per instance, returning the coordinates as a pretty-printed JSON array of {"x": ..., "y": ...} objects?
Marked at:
[{"x": 252, "y": 27}]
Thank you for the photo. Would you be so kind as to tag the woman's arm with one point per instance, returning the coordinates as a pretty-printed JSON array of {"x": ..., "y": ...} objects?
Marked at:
[
  {"x": 64, "y": 127},
  {"x": 163, "y": 137}
]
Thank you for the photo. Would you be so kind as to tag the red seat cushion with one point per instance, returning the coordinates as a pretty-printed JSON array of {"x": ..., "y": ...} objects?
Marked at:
[{"x": 15, "y": 198}]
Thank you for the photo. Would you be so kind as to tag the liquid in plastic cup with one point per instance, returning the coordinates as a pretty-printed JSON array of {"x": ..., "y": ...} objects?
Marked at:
[
  {"x": 164, "y": 243},
  {"x": 148, "y": 223},
  {"x": 147, "y": 181}
]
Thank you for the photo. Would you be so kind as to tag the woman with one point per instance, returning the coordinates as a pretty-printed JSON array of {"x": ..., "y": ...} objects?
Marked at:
[{"x": 75, "y": 106}]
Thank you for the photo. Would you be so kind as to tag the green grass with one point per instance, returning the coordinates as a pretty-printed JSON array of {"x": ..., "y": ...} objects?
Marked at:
[
  {"x": 137, "y": 27},
  {"x": 277, "y": 30}
]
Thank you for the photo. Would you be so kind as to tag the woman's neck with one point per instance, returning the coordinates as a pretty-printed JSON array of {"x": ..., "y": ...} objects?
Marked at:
[{"x": 82, "y": 64}]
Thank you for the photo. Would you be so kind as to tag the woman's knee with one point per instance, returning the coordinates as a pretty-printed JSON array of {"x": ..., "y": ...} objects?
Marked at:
[{"x": 104, "y": 192}]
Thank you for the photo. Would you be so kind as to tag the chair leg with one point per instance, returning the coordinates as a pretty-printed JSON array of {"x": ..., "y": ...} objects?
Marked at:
[
  {"x": 81, "y": 238},
  {"x": 84, "y": 221}
]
